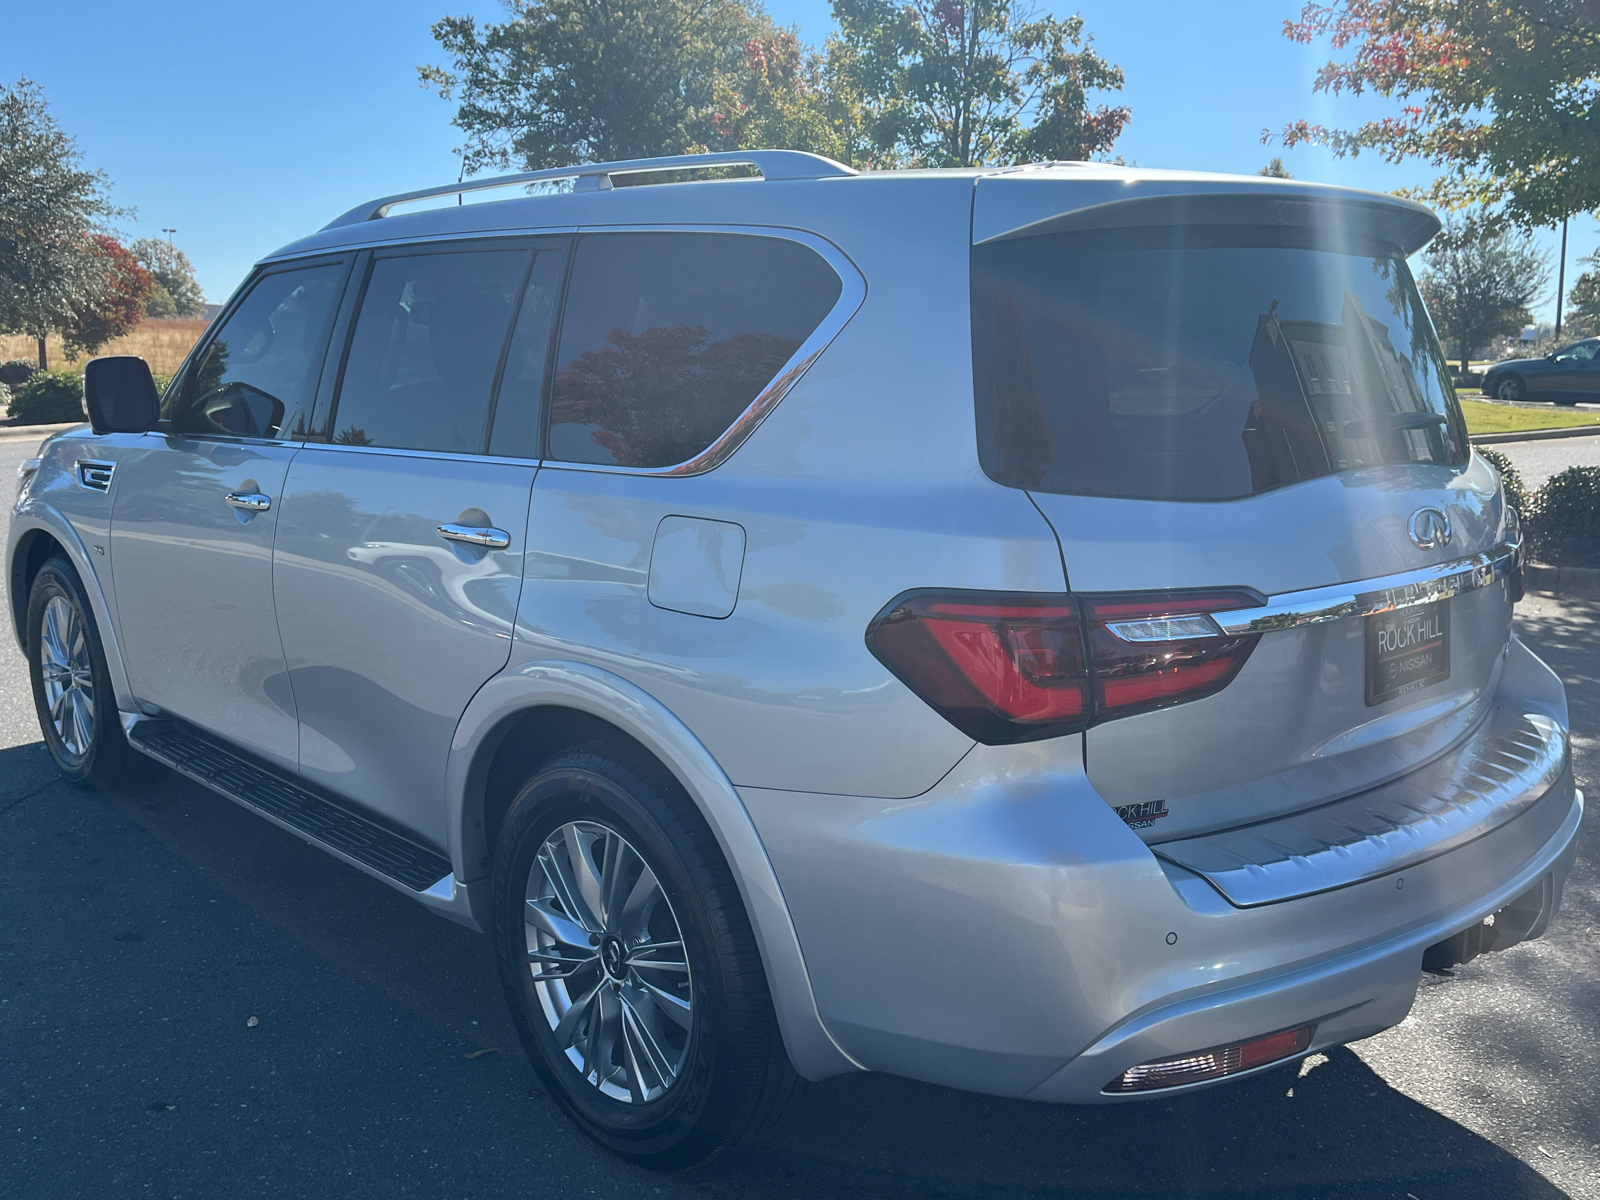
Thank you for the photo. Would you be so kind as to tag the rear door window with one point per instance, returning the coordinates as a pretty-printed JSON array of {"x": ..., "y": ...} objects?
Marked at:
[
  {"x": 257, "y": 375},
  {"x": 425, "y": 349},
  {"x": 668, "y": 337},
  {"x": 1192, "y": 364}
]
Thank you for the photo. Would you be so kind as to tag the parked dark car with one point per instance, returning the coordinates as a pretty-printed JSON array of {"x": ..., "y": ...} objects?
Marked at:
[{"x": 1567, "y": 376}]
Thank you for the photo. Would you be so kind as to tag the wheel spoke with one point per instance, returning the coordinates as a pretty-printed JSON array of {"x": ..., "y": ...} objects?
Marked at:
[
  {"x": 558, "y": 966},
  {"x": 583, "y": 872},
  {"x": 644, "y": 1044},
  {"x": 635, "y": 913},
  {"x": 614, "y": 875},
  {"x": 564, "y": 930},
  {"x": 558, "y": 872},
  {"x": 604, "y": 1027},
  {"x": 52, "y": 639},
  {"x": 566, "y": 1030},
  {"x": 82, "y": 722},
  {"x": 674, "y": 1007}
]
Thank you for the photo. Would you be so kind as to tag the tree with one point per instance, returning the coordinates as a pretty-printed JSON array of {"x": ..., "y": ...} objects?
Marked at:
[
  {"x": 51, "y": 270},
  {"x": 117, "y": 306},
  {"x": 1584, "y": 299},
  {"x": 959, "y": 83},
  {"x": 177, "y": 292},
  {"x": 570, "y": 81},
  {"x": 1275, "y": 170},
  {"x": 790, "y": 96},
  {"x": 1479, "y": 282},
  {"x": 1501, "y": 93}
]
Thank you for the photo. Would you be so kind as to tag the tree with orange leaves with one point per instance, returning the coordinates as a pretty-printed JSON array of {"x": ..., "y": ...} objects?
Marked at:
[{"x": 1503, "y": 94}]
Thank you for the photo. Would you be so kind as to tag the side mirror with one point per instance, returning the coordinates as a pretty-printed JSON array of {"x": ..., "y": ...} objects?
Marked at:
[{"x": 119, "y": 395}]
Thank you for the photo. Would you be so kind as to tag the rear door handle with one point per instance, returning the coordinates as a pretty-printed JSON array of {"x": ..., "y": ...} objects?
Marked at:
[
  {"x": 472, "y": 535},
  {"x": 249, "y": 501}
]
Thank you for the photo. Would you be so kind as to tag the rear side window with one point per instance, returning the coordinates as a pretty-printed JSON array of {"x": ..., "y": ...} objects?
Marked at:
[
  {"x": 668, "y": 337},
  {"x": 257, "y": 376},
  {"x": 1191, "y": 364},
  {"x": 425, "y": 348}
]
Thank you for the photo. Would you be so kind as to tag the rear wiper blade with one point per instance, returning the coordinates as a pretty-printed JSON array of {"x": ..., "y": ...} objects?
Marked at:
[{"x": 1394, "y": 420}]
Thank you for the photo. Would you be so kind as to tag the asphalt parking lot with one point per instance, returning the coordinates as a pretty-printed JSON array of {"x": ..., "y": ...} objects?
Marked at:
[{"x": 195, "y": 1004}]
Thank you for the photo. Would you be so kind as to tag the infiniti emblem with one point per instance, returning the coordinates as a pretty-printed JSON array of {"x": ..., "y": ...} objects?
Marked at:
[{"x": 1430, "y": 528}]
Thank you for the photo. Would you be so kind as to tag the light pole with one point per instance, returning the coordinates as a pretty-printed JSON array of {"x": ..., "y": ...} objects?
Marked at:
[
  {"x": 169, "y": 233},
  {"x": 1561, "y": 278}
]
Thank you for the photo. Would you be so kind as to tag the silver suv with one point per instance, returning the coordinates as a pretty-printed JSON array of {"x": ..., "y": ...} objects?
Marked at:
[{"x": 1041, "y": 631}]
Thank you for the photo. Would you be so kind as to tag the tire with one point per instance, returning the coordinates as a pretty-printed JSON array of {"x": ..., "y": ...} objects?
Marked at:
[
  {"x": 71, "y": 686},
  {"x": 661, "y": 1085},
  {"x": 1512, "y": 388}
]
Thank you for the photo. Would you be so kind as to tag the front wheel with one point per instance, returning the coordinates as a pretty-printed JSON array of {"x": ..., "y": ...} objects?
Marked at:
[
  {"x": 1511, "y": 388},
  {"x": 629, "y": 963},
  {"x": 71, "y": 684}
]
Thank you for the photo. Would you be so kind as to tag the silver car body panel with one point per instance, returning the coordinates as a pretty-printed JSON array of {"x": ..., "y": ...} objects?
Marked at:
[{"x": 867, "y": 834}]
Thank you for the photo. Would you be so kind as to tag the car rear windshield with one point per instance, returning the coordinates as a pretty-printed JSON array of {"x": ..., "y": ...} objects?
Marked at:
[{"x": 1201, "y": 363}]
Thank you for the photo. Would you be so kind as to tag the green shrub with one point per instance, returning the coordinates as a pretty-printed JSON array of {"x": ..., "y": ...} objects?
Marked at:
[
  {"x": 1516, "y": 490},
  {"x": 1564, "y": 528},
  {"x": 16, "y": 372},
  {"x": 49, "y": 398}
]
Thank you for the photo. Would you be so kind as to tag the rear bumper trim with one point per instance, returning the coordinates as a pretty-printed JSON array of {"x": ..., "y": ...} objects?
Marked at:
[{"x": 1500, "y": 772}]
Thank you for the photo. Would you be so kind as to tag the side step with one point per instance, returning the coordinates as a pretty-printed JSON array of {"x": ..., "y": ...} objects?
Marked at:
[{"x": 366, "y": 837}]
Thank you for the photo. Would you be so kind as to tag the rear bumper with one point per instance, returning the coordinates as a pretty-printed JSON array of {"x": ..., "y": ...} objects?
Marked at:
[
  {"x": 1349, "y": 997},
  {"x": 1006, "y": 933}
]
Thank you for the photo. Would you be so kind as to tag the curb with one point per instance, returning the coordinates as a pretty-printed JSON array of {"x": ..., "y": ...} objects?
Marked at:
[
  {"x": 1563, "y": 581},
  {"x": 10, "y": 433},
  {"x": 1535, "y": 435}
]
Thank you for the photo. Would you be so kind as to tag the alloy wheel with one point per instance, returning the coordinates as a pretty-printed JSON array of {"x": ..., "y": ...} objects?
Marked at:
[
  {"x": 608, "y": 962},
  {"x": 67, "y": 676}
]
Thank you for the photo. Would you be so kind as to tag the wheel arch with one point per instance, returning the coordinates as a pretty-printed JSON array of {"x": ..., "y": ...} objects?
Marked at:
[
  {"x": 533, "y": 711},
  {"x": 39, "y": 533}
]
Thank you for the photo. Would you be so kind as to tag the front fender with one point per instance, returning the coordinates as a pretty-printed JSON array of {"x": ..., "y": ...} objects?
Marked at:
[
  {"x": 34, "y": 516},
  {"x": 613, "y": 699}
]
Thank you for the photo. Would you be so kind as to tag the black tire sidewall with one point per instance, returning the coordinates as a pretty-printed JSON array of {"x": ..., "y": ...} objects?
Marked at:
[
  {"x": 685, "y": 1124},
  {"x": 57, "y": 578}
]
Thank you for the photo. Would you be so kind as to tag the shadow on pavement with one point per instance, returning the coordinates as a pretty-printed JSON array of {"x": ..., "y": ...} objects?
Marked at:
[{"x": 116, "y": 960}]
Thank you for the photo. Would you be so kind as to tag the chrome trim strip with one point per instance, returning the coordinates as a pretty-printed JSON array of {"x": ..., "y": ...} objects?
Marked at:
[
  {"x": 1289, "y": 610},
  {"x": 472, "y": 535},
  {"x": 95, "y": 476}
]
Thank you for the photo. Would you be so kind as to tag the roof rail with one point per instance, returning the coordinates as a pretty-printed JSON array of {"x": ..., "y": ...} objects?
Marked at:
[{"x": 596, "y": 177}]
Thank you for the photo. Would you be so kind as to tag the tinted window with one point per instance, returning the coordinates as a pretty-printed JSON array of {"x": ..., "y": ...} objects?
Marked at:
[
  {"x": 518, "y": 408},
  {"x": 257, "y": 376},
  {"x": 425, "y": 348},
  {"x": 668, "y": 337},
  {"x": 1130, "y": 364}
]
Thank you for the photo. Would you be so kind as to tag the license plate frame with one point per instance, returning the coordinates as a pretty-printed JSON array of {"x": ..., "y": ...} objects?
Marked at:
[{"x": 1408, "y": 649}]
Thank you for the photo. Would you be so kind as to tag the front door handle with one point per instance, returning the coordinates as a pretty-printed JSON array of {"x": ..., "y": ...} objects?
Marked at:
[
  {"x": 473, "y": 535},
  {"x": 252, "y": 502}
]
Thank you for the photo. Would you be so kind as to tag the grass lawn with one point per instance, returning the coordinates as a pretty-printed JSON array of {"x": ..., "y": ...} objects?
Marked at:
[{"x": 1483, "y": 417}]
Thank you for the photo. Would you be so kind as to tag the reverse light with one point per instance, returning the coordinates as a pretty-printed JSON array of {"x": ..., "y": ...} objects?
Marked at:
[
  {"x": 1014, "y": 667},
  {"x": 1216, "y": 1063}
]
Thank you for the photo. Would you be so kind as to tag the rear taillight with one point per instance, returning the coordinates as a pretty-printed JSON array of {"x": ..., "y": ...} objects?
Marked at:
[{"x": 1005, "y": 667}]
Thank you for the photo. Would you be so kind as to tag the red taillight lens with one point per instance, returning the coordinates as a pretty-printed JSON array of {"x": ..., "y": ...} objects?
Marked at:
[
  {"x": 1000, "y": 668},
  {"x": 1010, "y": 668},
  {"x": 1158, "y": 648}
]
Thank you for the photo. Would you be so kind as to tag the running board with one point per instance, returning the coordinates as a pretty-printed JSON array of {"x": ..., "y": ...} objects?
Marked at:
[{"x": 367, "y": 838}]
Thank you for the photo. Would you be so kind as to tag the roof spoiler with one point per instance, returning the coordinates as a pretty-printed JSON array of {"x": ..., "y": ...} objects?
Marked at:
[
  {"x": 596, "y": 177},
  {"x": 1390, "y": 221}
]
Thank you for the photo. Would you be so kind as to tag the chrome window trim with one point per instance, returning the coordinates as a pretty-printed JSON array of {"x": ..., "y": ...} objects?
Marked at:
[
  {"x": 1406, "y": 589},
  {"x": 466, "y": 456},
  {"x": 852, "y": 293}
]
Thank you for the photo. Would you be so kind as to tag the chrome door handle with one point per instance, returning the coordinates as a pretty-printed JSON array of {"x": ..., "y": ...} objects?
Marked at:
[
  {"x": 248, "y": 501},
  {"x": 472, "y": 535}
]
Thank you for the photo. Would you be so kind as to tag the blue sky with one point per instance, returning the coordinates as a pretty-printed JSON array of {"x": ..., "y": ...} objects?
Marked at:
[{"x": 245, "y": 126}]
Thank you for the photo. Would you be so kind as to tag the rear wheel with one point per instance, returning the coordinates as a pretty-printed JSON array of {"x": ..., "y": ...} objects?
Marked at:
[
  {"x": 629, "y": 964},
  {"x": 71, "y": 684},
  {"x": 1512, "y": 388}
]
